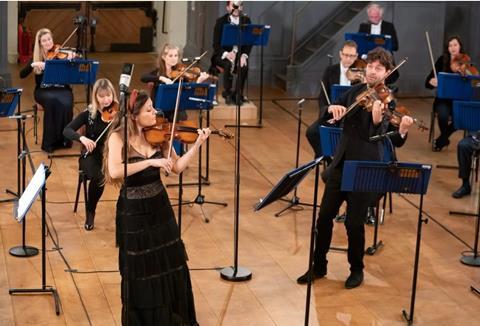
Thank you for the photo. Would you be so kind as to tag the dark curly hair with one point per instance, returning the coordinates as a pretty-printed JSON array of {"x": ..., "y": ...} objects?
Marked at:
[{"x": 383, "y": 56}]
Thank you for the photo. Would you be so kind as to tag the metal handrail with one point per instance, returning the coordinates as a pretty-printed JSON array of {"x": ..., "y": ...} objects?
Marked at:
[{"x": 294, "y": 30}]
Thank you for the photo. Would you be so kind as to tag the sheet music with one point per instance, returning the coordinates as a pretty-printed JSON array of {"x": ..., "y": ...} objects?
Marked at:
[{"x": 30, "y": 193}]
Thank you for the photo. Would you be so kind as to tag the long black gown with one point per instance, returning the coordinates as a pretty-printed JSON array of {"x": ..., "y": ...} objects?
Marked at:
[
  {"x": 156, "y": 287},
  {"x": 57, "y": 102}
]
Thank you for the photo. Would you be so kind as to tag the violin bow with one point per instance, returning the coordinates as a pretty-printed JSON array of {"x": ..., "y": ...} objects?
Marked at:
[
  {"x": 325, "y": 92},
  {"x": 360, "y": 99},
  {"x": 431, "y": 54},
  {"x": 179, "y": 92},
  {"x": 194, "y": 62}
]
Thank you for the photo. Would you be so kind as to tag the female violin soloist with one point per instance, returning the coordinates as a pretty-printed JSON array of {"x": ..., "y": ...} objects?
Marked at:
[
  {"x": 95, "y": 119},
  {"x": 156, "y": 287}
]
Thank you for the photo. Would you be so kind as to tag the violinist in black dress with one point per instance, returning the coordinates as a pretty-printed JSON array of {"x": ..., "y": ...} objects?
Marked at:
[
  {"x": 56, "y": 100},
  {"x": 94, "y": 120},
  {"x": 156, "y": 286}
]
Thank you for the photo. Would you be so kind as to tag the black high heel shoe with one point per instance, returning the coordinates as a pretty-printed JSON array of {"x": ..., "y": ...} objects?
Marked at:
[
  {"x": 439, "y": 144},
  {"x": 89, "y": 221}
]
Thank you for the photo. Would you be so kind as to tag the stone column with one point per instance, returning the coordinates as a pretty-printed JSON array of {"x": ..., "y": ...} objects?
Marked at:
[{"x": 6, "y": 79}]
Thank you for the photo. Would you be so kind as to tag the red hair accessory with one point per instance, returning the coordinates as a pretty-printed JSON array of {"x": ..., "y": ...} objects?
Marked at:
[{"x": 133, "y": 98}]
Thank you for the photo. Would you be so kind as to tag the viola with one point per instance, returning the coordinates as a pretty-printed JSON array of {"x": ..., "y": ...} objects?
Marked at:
[
  {"x": 109, "y": 112},
  {"x": 396, "y": 114},
  {"x": 462, "y": 64},
  {"x": 185, "y": 131},
  {"x": 191, "y": 75},
  {"x": 356, "y": 72},
  {"x": 379, "y": 92}
]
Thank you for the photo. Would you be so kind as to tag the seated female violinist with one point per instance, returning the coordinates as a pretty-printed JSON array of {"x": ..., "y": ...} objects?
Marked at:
[
  {"x": 167, "y": 69},
  {"x": 56, "y": 100},
  {"x": 443, "y": 107},
  {"x": 96, "y": 118}
]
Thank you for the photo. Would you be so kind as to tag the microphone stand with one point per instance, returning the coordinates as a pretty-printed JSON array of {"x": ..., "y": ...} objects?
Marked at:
[
  {"x": 295, "y": 201},
  {"x": 236, "y": 273}
]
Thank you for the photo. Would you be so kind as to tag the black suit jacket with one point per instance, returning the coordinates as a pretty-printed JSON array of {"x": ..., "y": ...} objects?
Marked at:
[
  {"x": 331, "y": 76},
  {"x": 217, "y": 36},
  {"x": 358, "y": 127},
  {"x": 386, "y": 28}
]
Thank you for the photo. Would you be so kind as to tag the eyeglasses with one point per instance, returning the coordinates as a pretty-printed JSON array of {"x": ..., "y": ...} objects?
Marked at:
[{"x": 350, "y": 56}]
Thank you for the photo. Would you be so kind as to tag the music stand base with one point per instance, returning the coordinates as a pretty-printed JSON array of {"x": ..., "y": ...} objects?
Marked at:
[
  {"x": 470, "y": 260},
  {"x": 9, "y": 200},
  {"x": 474, "y": 290},
  {"x": 407, "y": 319},
  {"x": 295, "y": 201},
  {"x": 53, "y": 291},
  {"x": 239, "y": 274},
  {"x": 373, "y": 249},
  {"x": 23, "y": 251},
  {"x": 462, "y": 213}
]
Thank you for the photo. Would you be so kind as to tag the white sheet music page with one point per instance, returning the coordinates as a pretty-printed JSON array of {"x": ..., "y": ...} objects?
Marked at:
[{"x": 31, "y": 192}]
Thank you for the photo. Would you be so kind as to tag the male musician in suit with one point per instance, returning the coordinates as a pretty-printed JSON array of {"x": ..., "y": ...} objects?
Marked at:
[
  {"x": 229, "y": 57},
  {"x": 465, "y": 149},
  {"x": 359, "y": 125},
  {"x": 334, "y": 74},
  {"x": 376, "y": 25}
]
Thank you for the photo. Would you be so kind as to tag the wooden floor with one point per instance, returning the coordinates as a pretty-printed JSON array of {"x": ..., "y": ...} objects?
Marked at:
[{"x": 83, "y": 268}]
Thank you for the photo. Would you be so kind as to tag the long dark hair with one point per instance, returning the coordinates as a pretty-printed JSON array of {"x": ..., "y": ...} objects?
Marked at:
[
  {"x": 446, "y": 55},
  {"x": 137, "y": 101}
]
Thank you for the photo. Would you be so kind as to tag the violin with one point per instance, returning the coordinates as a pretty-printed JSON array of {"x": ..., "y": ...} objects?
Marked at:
[
  {"x": 462, "y": 64},
  {"x": 379, "y": 92},
  {"x": 58, "y": 52},
  {"x": 356, "y": 72},
  {"x": 185, "y": 131},
  {"x": 109, "y": 112},
  {"x": 190, "y": 75},
  {"x": 395, "y": 115}
]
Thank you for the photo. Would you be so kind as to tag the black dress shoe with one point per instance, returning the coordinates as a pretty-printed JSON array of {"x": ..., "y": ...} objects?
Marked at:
[
  {"x": 461, "y": 192},
  {"x": 439, "y": 144},
  {"x": 370, "y": 216},
  {"x": 354, "y": 280},
  {"x": 89, "y": 221},
  {"x": 316, "y": 274}
]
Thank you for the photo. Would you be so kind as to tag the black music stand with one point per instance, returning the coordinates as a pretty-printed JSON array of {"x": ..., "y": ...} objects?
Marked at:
[
  {"x": 295, "y": 200},
  {"x": 466, "y": 116},
  {"x": 380, "y": 177},
  {"x": 9, "y": 100},
  {"x": 70, "y": 72},
  {"x": 289, "y": 182},
  {"x": 250, "y": 35},
  {"x": 37, "y": 185},
  {"x": 194, "y": 96}
]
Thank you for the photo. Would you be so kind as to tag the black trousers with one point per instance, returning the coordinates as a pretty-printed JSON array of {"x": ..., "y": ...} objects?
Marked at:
[
  {"x": 357, "y": 204},
  {"x": 465, "y": 149},
  {"x": 443, "y": 108},
  {"x": 313, "y": 136},
  {"x": 92, "y": 167},
  {"x": 57, "y": 104},
  {"x": 228, "y": 76}
]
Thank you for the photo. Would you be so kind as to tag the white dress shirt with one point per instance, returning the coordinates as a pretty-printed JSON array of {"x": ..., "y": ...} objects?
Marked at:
[
  {"x": 376, "y": 29},
  {"x": 343, "y": 76}
]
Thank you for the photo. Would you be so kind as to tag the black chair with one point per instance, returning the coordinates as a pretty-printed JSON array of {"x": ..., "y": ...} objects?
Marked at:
[{"x": 82, "y": 180}]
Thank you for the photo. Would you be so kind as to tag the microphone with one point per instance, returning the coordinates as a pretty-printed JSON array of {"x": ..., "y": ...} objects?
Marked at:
[
  {"x": 382, "y": 136},
  {"x": 196, "y": 99},
  {"x": 125, "y": 77},
  {"x": 300, "y": 103}
]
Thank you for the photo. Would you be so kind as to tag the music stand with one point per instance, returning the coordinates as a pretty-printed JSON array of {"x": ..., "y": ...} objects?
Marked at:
[
  {"x": 337, "y": 90},
  {"x": 466, "y": 116},
  {"x": 36, "y": 185},
  {"x": 9, "y": 99},
  {"x": 247, "y": 35},
  {"x": 398, "y": 177},
  {"x": 295, "y": 200},
  {"x": 367, "y": 42},
  {"x": 194, "y": 96},
  {"x": 289, "y": 182}
]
